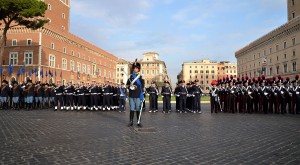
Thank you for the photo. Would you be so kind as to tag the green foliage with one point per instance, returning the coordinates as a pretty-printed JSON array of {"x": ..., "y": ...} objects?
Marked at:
[{"x": 29, "y": 13}]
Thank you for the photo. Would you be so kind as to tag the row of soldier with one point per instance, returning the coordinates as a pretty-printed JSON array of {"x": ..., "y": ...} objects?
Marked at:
[{"x": 261, "y": 95}]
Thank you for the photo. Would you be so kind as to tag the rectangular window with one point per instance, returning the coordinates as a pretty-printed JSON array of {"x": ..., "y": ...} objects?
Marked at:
[
  {"x": 65, "y": 50},
  {"x": 157, "y": 72},
  {"x": 285, "y": 68},
  {"x": 52, "y": 61},
  {"x": 14, "y": 42},
  {"x": 196, "y": 71},
  {"x": 152, "y": 72},
  {"x": 142, "y": 71},
  {"x": 28, "y": 58},
  {"x": 78, "y": 55},
  {"x": 277, "y": 70},
  {"x": 293, "y": 2},
  {"x": 293, "y": 15},
  {"x": 270, "y": 50},
  {"x": 72, "y": 66},
  {"x": 52, "y": 45},
  {"x": 271, "y": 72},
  {"x": 201, "y": 71},
  {"x": 294, "y": 67},
  {"x": 207, "y": 71},
  {"x": 94, "y": 69},
  {"x": 83, "y": 68},
  {"x": 147, "y": 71},
  {"x": 213, "y": 77},
  {"x": 78, "y": 67},
  {"x": 277, "y": 48},
  {"x": 13, "y": 58},
  {"x": 29, "y": 41},
  {"x": 284, "y": 44},
  {"x": 89, "y": 70},
  {"x": 72, "y": 53},
  {"x": 294, "y": 41},
  {"x": 64, "y": 64},
  {"x": 284, "y": 56}
]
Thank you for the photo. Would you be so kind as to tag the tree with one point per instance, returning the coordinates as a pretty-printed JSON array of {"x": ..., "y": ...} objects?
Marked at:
[{"x": 29, "y": 13}]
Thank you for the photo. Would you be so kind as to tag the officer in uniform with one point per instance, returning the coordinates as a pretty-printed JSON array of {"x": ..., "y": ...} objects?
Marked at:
[
  {"x": 153, "y": 94},
  {"x": 47, "y": 95},
  {"x": 106, "y": 90},
  {"x": 281, "y": 95},
  {"x": 81, "y": 96},
  {"x": 231, "y": 91},
  {"x": 248, "y": 92},
  {"x": 39, "y": 93},
  {"x": 288, "y": 94},
  {"x": 197, "y": 93},
  {"x": 294, "y": 94},
  {"x": 177, "y": 97},
  {"x": 265, "y": 95},
  {"x": 273, "y": 104},
  {"x": 69, "y": 93},
  {"x": 182, "y": 94},
  {"x": 4, "y": 94},
  {"x": 166, "y": 93},
  {"x": 121, "y": 93},
  {"x": 100, "y": 96},
  {"x": 52, "y": 96},
  {"x": 16, "y": 93},
  {"x": 59, "y": 90},
  {"x": 214, "y": 98},
  {"x": 135, "y": 84},
  {"x": 297, "y": 94},
  {"x": 30, "y": 94},
  {"x": 94, "y": 95}
]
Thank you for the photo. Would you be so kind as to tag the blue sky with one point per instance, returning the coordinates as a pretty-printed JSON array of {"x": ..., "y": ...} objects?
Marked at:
[{"x": 180, "y": 31}]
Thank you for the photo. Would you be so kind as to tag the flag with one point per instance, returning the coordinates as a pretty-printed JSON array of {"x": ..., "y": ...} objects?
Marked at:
[
  {"x": 42, "y": 73},
  {"x": 36, "y": 74},
  {"x": 55, "y": 73},
  {"x": 1, "y": 70},
  {"x": 46, "y": 74},
  {"x": 50, "y": 73},
  {"x": 28, "y": 73},
  {"x": 22, "y": 69},
  {"x": 10, "y": 69},
  {"x": 34, "y": 71}
]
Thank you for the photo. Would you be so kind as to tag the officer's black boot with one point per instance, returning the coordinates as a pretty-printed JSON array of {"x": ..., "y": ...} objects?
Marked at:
[
  {"x": 131, "y": 119},
  {"x": 138, "y": 113}
]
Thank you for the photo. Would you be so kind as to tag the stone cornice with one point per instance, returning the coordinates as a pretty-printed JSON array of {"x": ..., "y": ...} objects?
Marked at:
[{"x": 284, "y": 30}]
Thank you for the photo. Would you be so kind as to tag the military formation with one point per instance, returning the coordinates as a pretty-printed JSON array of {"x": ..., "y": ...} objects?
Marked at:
[
  {"x": 257, "y": 95},
  {"x": 81, "y": 96}
]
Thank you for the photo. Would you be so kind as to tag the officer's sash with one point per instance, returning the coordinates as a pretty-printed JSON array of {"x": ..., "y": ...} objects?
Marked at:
[{"x": 136, "y": 77}]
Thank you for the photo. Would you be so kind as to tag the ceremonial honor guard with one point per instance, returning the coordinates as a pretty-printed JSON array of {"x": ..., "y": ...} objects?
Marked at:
[
  {"x": 122, "y": 93},
  {"x": 166, "y": 93},
  {"x": 81, "y": 96},
  {"x": 135, "y": 85},
  {"x": 182, "y": 94},
  {"x": 39, "y": 92},
  {"x": 294, "y": 94},
  {"x": 288, "y": 94},
  {"x": 76, "y": 86},
  {"x": 47, "y": 95},
  {"x": 177, "y": 96},
  {"x": 106, "y": 90},
  {"x": 16, "y": 93},
  {"x": 94, "y": 95},
  {"x": 231, "y": 91},
  {"x": 297, "y": 94},
  {"x": 273, "y": 104},
  {"x": 59, "y": 89},
  {"x": 52, "y": 96},
  {"x": 281, "y": 95},
  {"x": 69, "y": 93},
  {"x": 4, "y": 94},
  {"x": 197, "y": 93},
  {"x": 153, "y": 95},
  {"x": 264, "y": 93},
  {"x": 30, "y": 94},
  {"x": 248, "y": 92},
  {"x": 214, "y": 99}
]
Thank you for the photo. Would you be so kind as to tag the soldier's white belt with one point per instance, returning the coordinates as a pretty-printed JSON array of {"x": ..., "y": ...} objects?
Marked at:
[
  {"x": 94, "y": 93},
  {"x": 81, "y": 94},
  {"x": 58, "y": 94},
  {"x": 69, "y": 93},
  {"x": 297, "y": 93}
]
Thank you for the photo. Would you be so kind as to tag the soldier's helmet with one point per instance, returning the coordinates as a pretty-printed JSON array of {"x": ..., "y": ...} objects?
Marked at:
[
  {"x": 196, "y": 80},
  {"x": 29, "y": 81},
  {"x": 5, "y": 81},
  {"x": 15, "y": 82},
  {"x": 166, "y": 82},
  {"x": 136, "y": 65},
  {"x": 296, "y": 79},
  {"x": 214, "y": 82}
]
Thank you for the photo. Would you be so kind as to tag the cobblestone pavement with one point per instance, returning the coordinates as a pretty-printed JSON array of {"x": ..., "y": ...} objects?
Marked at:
[{"x": 60, "y": 137}]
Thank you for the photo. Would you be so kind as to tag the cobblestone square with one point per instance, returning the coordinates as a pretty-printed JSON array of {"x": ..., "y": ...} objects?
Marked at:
[{"x": 61, "y": 137}]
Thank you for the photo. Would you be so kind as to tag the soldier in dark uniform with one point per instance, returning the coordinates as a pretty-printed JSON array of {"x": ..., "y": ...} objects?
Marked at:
[
  {"x": 197, "y": 93},
  {"x": 231, "y": 91},
  {"x": 69, "y": 93},
  {"x": 94, "y": 95},
  {"x": 226, "y": 95},
  {"x": 265, "y": 95},
  {"x": 297, "y": 94},
  {"x": 106, "y": 90},
  {"x": 122, "y": 93},
  {"x": 136, "y": 95},
  {"x": 30, "y": 94},
  {"x": 81, "y": 96},
  {"x": 87, "y": 96},
  {"x": 281, "y": 96},
  {"x": 75, "y": 98},
  {"x": 47, "y": 95},
  {"x": 39, "y": 93},
  {"x": 214, "y": 98},
  {"x": 59, "y": 90},
  {"x": 288, "y": 94},
  {"x": 100, "y": 96},
  {"x": 153, "y": 94},
  {"x": 294, "y": 94},
  {"x": 177, "y": 97},
  {"x": 4, "y": 94},
  {"x": 16, "y": 93},
  {"x": 273, "y": 104},
  {"x": 52, "y": 96},
  {"x": 248, "y": 93},
  {"x": 182, "y": 93},
  {"x": 240, "y": 94},
  {"x": 166, "y": 93}
]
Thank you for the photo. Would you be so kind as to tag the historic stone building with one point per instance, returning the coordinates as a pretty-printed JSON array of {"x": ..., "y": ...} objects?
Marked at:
[
  {"x": 53, "y": 49},
  {"x": 123, "y": 70},
  {"x": 153, "y": 69},
  {"x": 276, "y": 53},
  {"x": 206, "y": 71}
]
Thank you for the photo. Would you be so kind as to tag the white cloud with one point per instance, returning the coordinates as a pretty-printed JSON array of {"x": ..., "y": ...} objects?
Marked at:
[{"x": 113, "y": 12}]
